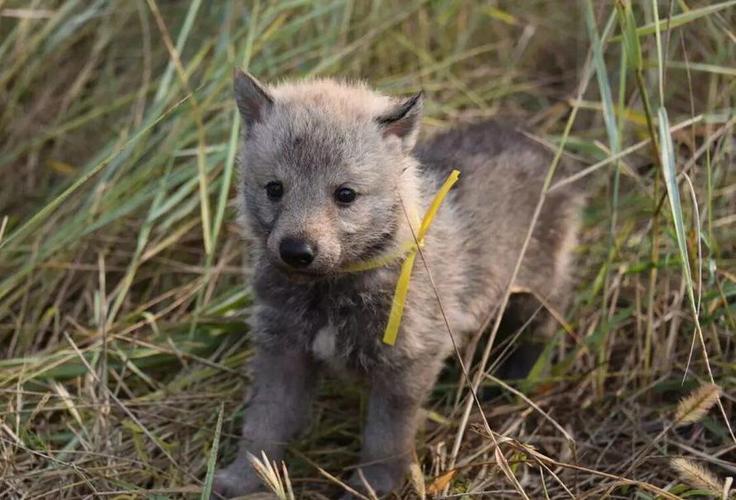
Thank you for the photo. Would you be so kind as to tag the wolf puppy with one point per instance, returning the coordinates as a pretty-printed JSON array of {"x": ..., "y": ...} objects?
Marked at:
[{"x": 330, "y": 177}]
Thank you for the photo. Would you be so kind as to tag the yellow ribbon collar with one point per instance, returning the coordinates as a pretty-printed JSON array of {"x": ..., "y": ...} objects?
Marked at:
[{"x": 408, "y": 252}]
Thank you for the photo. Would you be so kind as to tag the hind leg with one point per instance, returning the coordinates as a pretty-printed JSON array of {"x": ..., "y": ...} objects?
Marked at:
[
  {"x": 525, "y": 326},
  {"x": 532, "y": 318},
  {"x": 543, "y": 284}
]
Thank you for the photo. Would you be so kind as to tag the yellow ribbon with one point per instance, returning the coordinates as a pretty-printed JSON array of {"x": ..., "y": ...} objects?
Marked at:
[
  {"x": 408, "y": 251},
  {"x": 402, "y": 285},
  {"x": 381, "y": 260}
]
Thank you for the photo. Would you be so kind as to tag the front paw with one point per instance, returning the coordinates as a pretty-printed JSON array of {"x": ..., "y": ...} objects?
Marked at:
[
  {"x": 238, "y": 479},
  {"x": 382, "y": 479}
]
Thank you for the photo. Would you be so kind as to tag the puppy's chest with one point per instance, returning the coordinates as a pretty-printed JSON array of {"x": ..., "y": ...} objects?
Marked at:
[{"x": 349, "y": 337}]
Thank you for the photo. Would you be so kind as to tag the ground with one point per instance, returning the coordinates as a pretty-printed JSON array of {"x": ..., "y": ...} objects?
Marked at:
[{"x": 122, "y": 289}]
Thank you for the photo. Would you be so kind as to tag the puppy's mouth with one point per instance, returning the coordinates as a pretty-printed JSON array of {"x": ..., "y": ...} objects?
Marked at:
[{"x": 301, "y": 275}]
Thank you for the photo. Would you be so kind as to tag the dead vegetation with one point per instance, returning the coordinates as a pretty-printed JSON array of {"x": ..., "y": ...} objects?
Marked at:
[{"x": 121, "y": 293}]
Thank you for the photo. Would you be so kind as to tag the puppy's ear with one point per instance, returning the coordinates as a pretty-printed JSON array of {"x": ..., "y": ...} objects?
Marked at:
[
  {"x": 254, "y": 101},
  {"x": 403, "y": 119}
]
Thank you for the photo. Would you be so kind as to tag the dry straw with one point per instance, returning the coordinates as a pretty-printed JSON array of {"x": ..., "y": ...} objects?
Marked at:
[
  {"x": 277, "y": 480},
  {"x": 697, "y": 405},
  {"x": 698, "y": 476}
]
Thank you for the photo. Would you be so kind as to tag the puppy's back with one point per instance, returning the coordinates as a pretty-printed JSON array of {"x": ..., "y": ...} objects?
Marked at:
[{"x": 502, "y": 176}]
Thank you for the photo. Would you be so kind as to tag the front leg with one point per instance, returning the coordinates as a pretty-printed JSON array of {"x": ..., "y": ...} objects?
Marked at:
[
  {"x": 391, "y": 424},
  {"x": 277, "y": 409}
]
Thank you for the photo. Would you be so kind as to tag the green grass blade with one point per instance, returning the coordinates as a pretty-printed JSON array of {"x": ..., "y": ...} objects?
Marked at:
[
  {"x": 181, "y": 40},
  {"x": 673, "y": 194},
  {"x": 680, "y": 19},
  {"x": 212, "y": 461},
  {"x": 629, "y": 33},
  {"x": 601, "y": 72}
]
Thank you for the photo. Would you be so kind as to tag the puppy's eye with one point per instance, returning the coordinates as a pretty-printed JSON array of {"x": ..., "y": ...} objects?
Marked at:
[
  {"x": 274, "y": 190},
  {"x": 345, "y": 195}
]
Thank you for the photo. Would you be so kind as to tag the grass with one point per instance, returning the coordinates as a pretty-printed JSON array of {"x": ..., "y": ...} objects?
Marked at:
[{"x": 122, "y": 296}]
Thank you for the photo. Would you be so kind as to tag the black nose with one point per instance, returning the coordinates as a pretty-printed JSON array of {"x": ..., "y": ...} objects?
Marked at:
[{"x": 296, "y": 253}]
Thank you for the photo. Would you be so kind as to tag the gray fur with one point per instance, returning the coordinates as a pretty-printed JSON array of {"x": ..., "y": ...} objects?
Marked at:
[{"x": 315, "y": 136}]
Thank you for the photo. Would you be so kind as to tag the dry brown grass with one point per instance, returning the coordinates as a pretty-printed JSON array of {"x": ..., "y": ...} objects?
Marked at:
[{"x": 122, "y": 297}]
